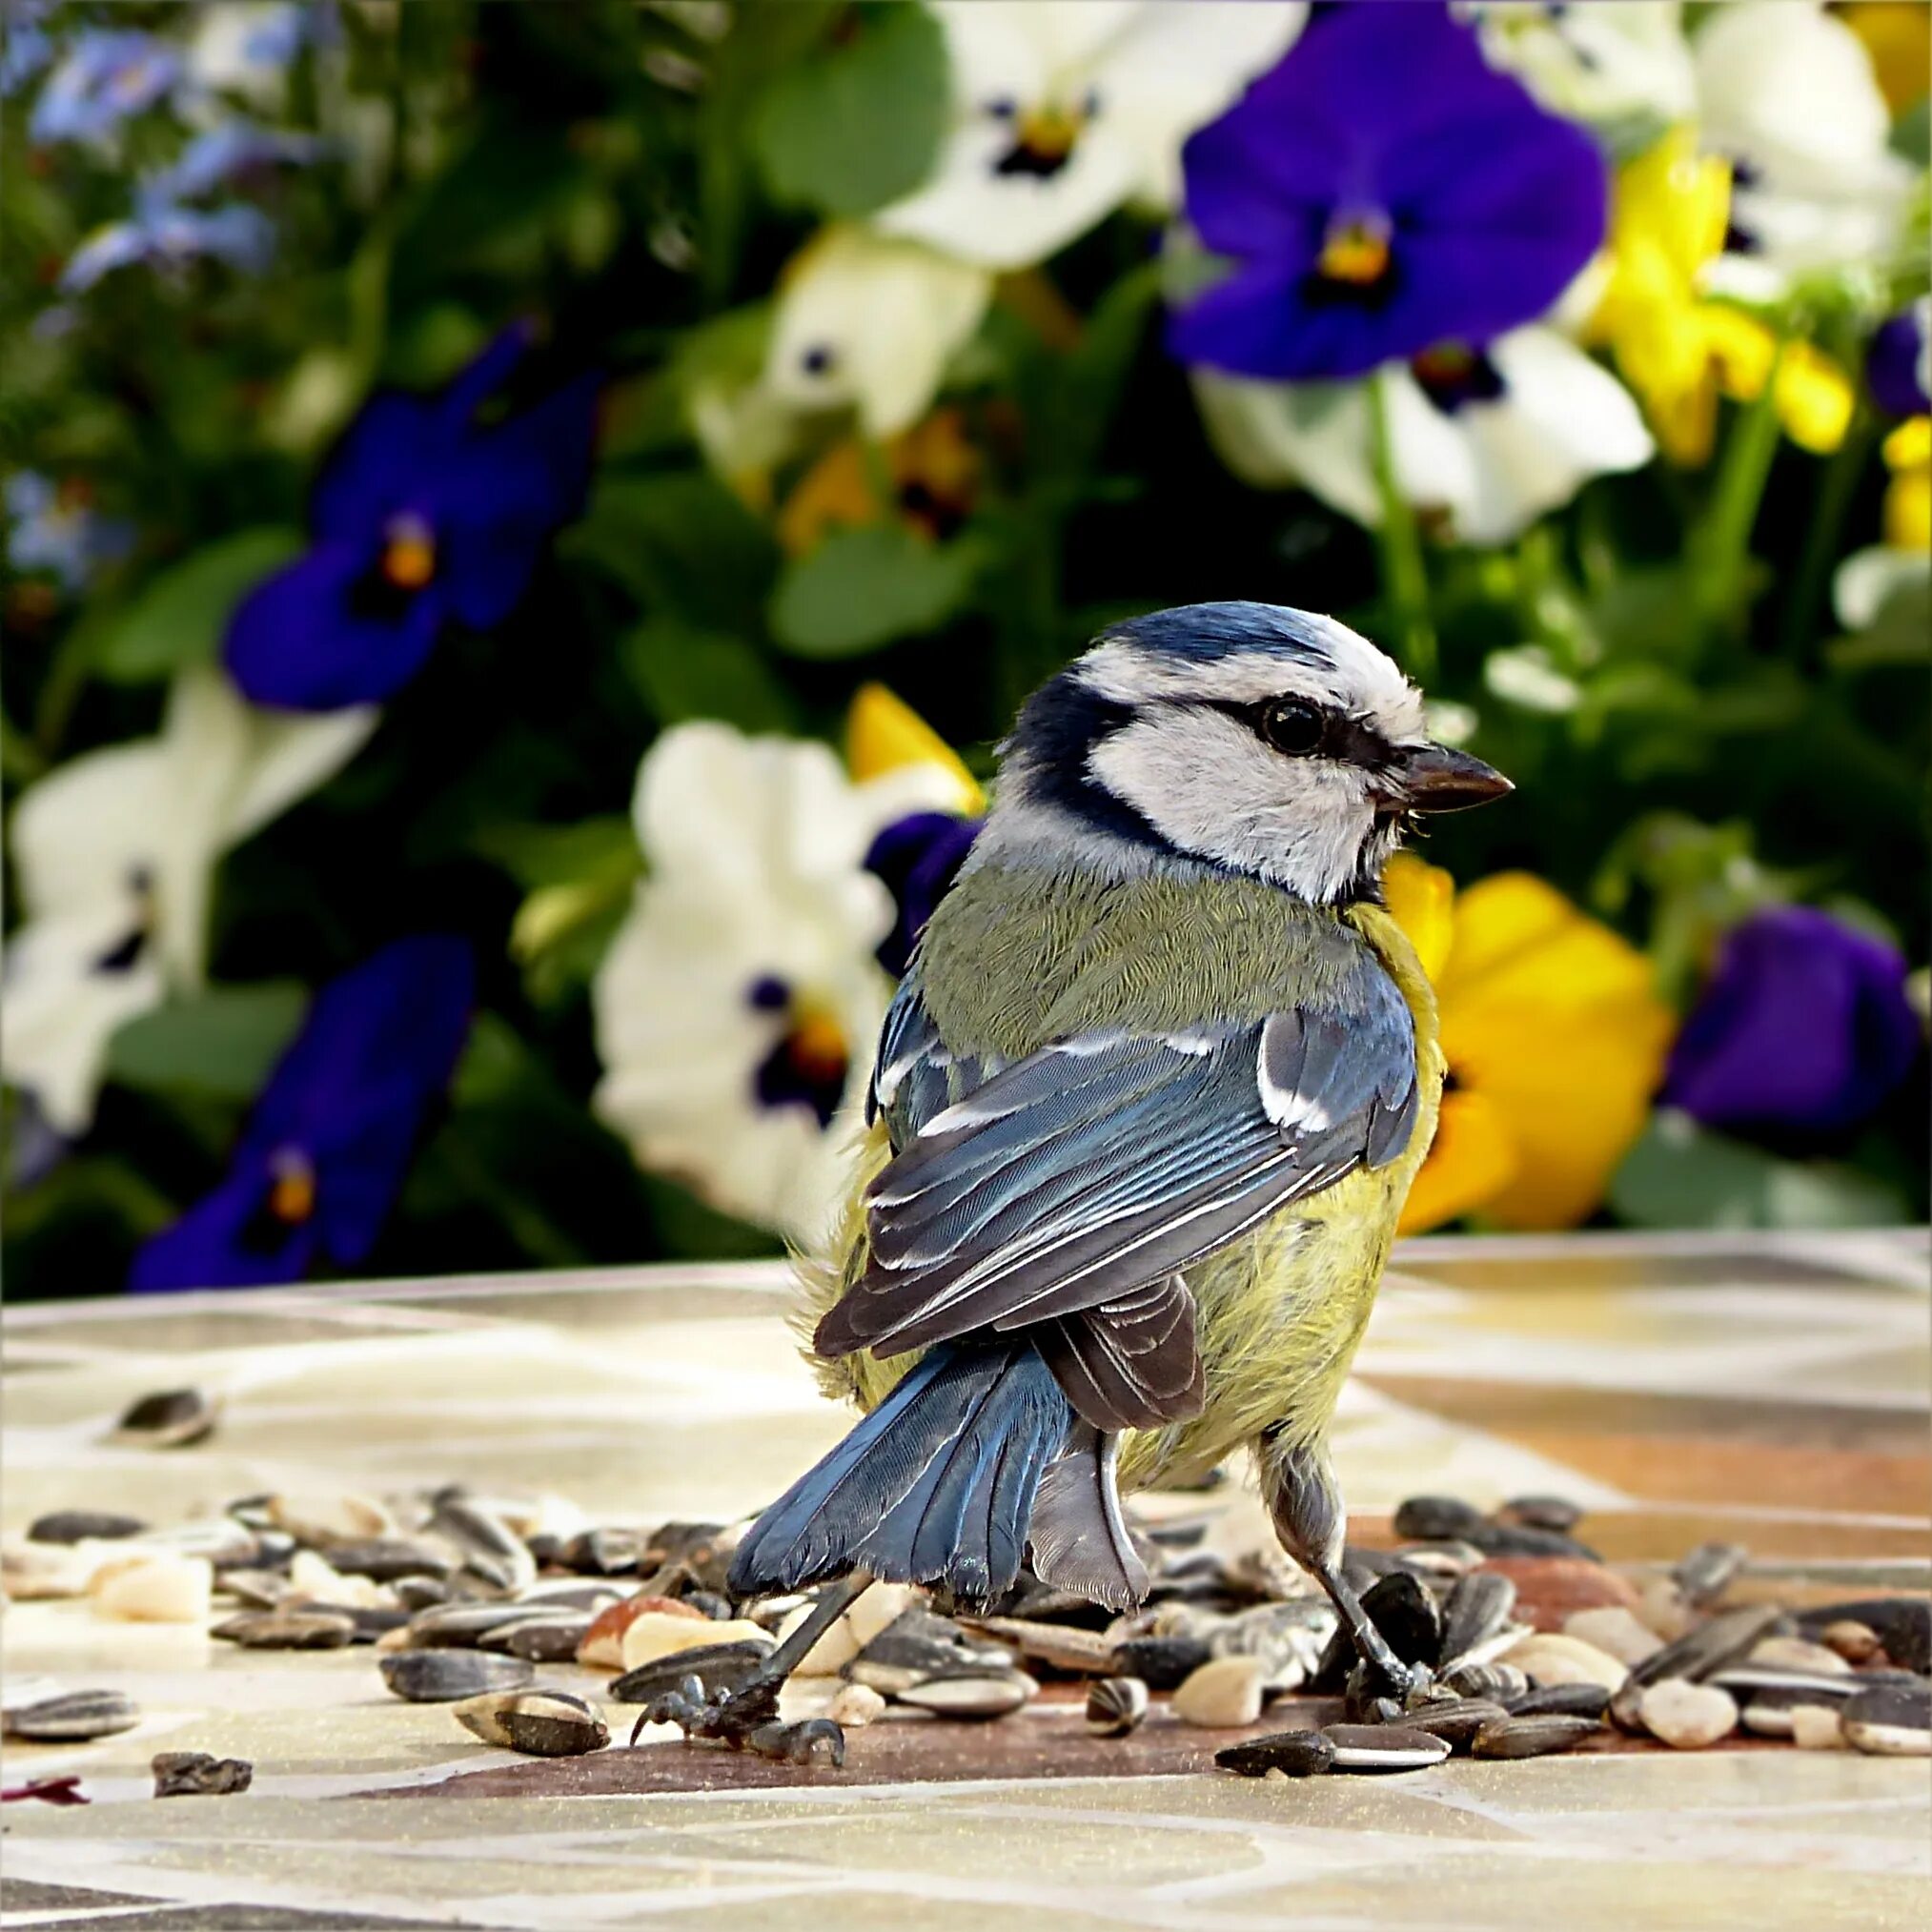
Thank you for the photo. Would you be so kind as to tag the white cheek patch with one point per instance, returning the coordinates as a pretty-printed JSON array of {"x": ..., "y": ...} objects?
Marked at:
[{"x": 1211, "y": 788}]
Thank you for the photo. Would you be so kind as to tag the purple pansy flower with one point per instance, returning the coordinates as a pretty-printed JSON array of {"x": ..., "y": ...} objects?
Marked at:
[
  {"x": 916, "y": 858},
  {"x": 326, "y": 1148},
  {"x": 161, "y": 235},
  {"x": 56, "y": 531},
  {"x": 1900, "y": 365},
  {"x": 1803, "y": 1031},
  {"x": 233, "y": 151},
  {"x": 425, "y": 514},
  {"x": 1383, "y": 190},
  {"x": 105, "y": 78},
  {"x": 25, "y": 47}
]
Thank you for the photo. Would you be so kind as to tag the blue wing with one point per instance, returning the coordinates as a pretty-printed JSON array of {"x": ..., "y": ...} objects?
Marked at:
[{"x": 1063, "y": 1192}]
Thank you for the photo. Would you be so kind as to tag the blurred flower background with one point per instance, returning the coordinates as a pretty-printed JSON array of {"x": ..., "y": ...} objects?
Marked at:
[{"x": 523, "y": 522}]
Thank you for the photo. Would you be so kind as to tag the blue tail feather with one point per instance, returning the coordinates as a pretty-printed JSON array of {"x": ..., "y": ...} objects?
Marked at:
[{"x": 937, "y": 1484}]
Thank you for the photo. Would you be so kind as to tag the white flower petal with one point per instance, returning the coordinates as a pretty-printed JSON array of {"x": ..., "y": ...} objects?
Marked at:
[
  {"x": 84, "y": 832},
  {"x": 1596, "y": 63},
  {"x": 868, "y": 322},
  {"x": 1868, "y": 579}
]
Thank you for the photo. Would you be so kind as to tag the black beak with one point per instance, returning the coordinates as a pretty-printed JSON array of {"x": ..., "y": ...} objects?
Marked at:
[{"x": 1433, "y": 777}]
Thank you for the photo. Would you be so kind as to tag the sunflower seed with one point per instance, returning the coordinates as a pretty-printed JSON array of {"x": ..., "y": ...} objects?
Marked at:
[
  {"x": 717, "y": 1667},
  {"x": 1294, "y": 1754},
  {"x": 461, "y": 1626},
  {"x": 1479, "y": 1606},
  {"x": 1384, "y": 1747},
  {"x": 1774, "y": 1714},
  {"x": 1162, "y": 1664},
  {"x": 543, "y": 1639},
  {"x": 1518, "y": 1539},
  {"x": 1427, "y": 1520},
  {"x": 287, "y": 1630},
  {"x": 1439, "y": 1563},
  {"x": 1455, "y": 1723},
  {"x": 1542, "y": 1513},
  {"x": 1706, "y": 1573},
  {"x": 604, "y": 1552},
  {"x": 1816, "y": 1687},
  {"x": 1532, "y": 1737},
  {"x": 919, "y": 1644},
  {"x": 1560, "y": 1701},
  {"x": 385, "y": 1558},
  {"x": 1485, "y": 1680},
  {"x": 194, "y": 1773},
  {"x": 1116, "y": 1706},
  {"x": 170, "y": 1418},
  {"x": 81, "y": 1526},
  {"x": 1700, "y": 1654},
  {"x": 257, "y": 1589},
  {"x": 1061, "y": 1646},
  {"x": 1903, "y": 1624},
  {"x": 321, "y": 1519},
  {"x": 1402, "y": 1608},
  {"x": 1891, "y": 1720},
  {"x": 440, "y": 1677},
  {"x": 971, "y": 1697},
  {"x": 1688, "y": 1717},
  {"x": 540, "y": 1723},
  {"x": 419, "y": 1593},
  {"x": 491, "y": 1549},
  {"x": 74, "y": 1716}
]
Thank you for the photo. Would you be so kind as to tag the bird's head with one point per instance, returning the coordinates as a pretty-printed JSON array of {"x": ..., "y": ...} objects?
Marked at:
[{"x": 1259, "y": 739}]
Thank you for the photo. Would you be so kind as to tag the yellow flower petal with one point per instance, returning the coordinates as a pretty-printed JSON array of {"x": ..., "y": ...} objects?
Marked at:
[
  {"x": 1554, "y": 1020},
  {"x": 1421, "y": 900},
  {"x": 1898, "y": 36},
  {"x": 1472, "y": 1159},
  {"x": 1814, "y": 396},
  {"x": 835, "y": 494},
  {"x": 884, "y": 733},
  {"x": 1909, "y": 446},
  {"x": 1909, "y": 502}
]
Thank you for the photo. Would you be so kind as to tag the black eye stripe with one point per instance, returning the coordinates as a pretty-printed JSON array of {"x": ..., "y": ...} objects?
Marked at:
[{"x": 1347, "y": 739}]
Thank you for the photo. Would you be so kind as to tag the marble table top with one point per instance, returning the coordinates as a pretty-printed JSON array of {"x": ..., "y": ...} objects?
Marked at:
[{"x": 1771, "y": 1390}]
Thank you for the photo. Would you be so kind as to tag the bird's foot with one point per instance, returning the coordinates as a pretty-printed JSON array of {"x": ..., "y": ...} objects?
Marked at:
[{"x": 747, "y": 1718}]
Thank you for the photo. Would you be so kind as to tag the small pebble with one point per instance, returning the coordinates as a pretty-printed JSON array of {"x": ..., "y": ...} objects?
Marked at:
[
  {"x": 312, "y": 1576},
  {"x": 72, "y": 1717},
  {"x": 442, "y": 1676},
  {"x": 1548, "y": 1658},
  {"x": 971, "y": 1697},
  {"x": 287, "y": 1630},
  {"x": 1687, "y": 1716},
  {"x": 1532, "y": 1737},
  {"x": 1794, "y": 1653},
  {"x": 1902, "y": 1624},
  {"x": 1817, "y": 1727},
  {"x": 36, "y": 1571},
  {"x": 655, "y": 1634},
  {"x": 1224, "y": 1694},
  {"x": 836, "y": 1646},
  {"x": 154, "y": 1589},
  {"x": 1383, "y": 1747},
  {"x": 1615, "y": 1630},
  {"x": 172, "y": 1418},
  {"x": 323, "y": 1517},
  {"x": 1116, "y": 1706},
  {"x": 602, "y": 1644},
  {"x": 854, "y": 1706},
  {"x": 1665, "y": 1609},
  {"x": 540, "y": 1723},
  {"x": 81, "y": 1526},
  {"x": 1285, "y": 1754},
  {"x": 1890, "y": 1720},
  {"x": 1853, "y": 1642},
  {"x": 194, "y": 1773}
]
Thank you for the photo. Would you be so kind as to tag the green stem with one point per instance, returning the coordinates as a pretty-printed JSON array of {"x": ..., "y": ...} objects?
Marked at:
[
  {"x": 1843, "y": 475},
  {"x": 1721, "y": 550},
  {"x": 1405, "y": 574}
]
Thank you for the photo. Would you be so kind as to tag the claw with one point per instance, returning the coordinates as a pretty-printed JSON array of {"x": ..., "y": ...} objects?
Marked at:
[{"x": 745, "y": 1718}]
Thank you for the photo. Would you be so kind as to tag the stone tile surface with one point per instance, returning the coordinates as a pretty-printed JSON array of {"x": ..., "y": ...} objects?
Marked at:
[{"x": 1775, "y": 1393}]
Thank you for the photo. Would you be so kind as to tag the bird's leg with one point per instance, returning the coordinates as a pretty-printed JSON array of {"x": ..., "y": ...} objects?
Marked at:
[
  {"x": 1300, "y": 1491},
  {"x": 745, "y": 1715}
]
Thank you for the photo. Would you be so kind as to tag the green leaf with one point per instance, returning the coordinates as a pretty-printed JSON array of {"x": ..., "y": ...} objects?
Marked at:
[
  {"x": 683, "y": 673},
  {"x": 1682, "y": 1175},
  {"x": 864, "y": 589},
  {"x": 561, "y": 855},
  {"x": 859, "y": 123},
  {"x": 224, "y": 1042},
  {"x": 179, "y": 619}
]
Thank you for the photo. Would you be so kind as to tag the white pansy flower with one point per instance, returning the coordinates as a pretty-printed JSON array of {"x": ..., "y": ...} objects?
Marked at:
[
  {"x": 868, "y": 322},
  {"x": 114, "y": 857},
  {"x": 1064, "y": 110},
  {"x": 738, "y": 1006},
  {"x": 1787, "y": 92},
  {"x": 1483, "y": 444},
  {"x": 245, "y": 48},
  {"x": 1603, "y": 64}
]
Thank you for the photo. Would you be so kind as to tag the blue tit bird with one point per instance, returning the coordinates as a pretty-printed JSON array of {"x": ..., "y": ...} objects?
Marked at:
[{"x": 1144, "y": 1114}]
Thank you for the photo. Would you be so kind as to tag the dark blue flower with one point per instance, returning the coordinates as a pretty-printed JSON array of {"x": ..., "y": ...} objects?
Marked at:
[
  {"x": 327, "y": 1146},
  {"x": 917, "y": 858},
  {"x": 1803, "y": 1031},
  {"x": 425, "y": 514},
  {"x": 25, "y": 47},
  {"x": 1383, "y": 190},
  {"x": 1897, "y": 366},
  {"x": 105, "y": 78}
]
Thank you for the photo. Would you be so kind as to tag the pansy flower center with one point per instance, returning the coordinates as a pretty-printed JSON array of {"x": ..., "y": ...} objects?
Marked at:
[
  {"x": 1045, "y": 135},
  {"x": 811, "y": 1057},
  {"x": 125, "y": 954},
  {"x": 1450, "y": 376},
  {"x": 408, "y": 551},
  {"x": 292, "y": 1188},
  {"x": 1355, "y": 252}
]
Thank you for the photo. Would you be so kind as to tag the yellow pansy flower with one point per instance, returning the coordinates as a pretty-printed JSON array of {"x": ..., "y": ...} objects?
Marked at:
[
  {"x": 1555, "y": 1037},
  {"x": 932, "y": 470},
  {"x": 1679, "y": 349},
  {"x": 886, "y": 734},
  {"x": 1908, "y": 499}
]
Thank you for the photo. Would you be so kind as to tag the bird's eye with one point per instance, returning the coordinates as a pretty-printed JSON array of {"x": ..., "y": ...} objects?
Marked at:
[{"x": 1292, "y": 726}]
